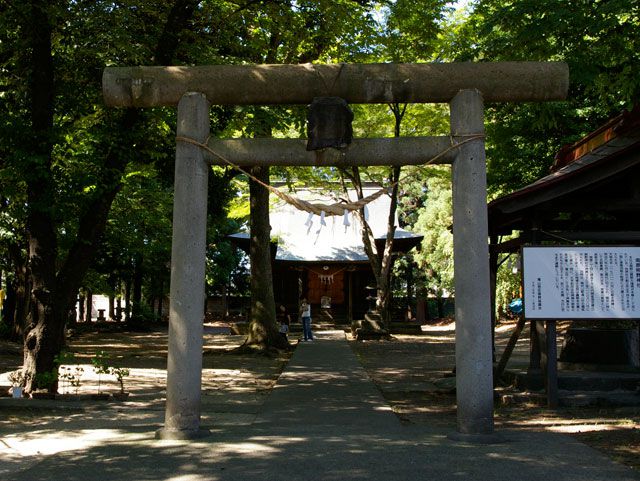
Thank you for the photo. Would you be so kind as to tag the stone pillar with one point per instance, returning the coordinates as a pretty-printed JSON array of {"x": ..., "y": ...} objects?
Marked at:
[
  {"x": 186, "y": 309},
  {"x": 474, "y": 380}
]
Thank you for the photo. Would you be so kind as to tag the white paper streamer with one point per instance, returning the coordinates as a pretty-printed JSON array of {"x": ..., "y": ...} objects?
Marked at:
[
  {"x": 309, "y": 220},
  {"x": 345, "y": 218}
]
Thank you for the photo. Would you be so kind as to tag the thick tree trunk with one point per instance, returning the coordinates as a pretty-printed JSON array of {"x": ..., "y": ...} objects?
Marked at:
[
  {"x": 53, "y": 292},
  {"x": 43, "y": 337},
  {"x": 263, "y": 331},
  {"x": 112, "y": 307},
  {"x": 82, "y": 304}
]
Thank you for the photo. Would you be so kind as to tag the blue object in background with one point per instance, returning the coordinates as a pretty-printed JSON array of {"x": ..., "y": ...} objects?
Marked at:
[{"x": 515, "y": 306}]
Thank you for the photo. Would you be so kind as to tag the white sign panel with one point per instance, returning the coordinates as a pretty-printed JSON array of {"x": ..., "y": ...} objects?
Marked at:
[{"x": 581, "y": 282}]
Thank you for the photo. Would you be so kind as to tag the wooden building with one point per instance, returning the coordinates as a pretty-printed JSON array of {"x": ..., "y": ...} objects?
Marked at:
[
  {"x": 591, "y": 196},
  {"x": 323, "y": 259}
]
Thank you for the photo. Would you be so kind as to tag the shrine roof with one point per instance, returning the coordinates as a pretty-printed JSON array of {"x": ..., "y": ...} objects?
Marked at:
[
  {"x": 581, "y": 175},
  {"x": 304, "y": 238}
]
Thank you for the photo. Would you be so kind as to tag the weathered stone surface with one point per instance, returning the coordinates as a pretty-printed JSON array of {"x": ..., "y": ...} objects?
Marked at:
[
  {"x": 382, "y": 151},
  {"x": 356, "y": 83},
  {"x": 369, "y": 328}
]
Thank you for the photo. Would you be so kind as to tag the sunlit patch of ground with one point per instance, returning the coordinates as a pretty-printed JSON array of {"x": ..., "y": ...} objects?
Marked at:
[
  {"x": 412, "y": 372},
  {"x": 233, "y": 389}
]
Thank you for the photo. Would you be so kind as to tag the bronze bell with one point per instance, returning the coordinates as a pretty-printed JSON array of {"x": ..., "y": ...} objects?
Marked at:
[{"x": 329, "y": 123}]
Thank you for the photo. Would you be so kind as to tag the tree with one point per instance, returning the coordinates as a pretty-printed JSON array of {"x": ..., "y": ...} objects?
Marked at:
[
  {"x": 435, "y": 220},
  {"x": 381, "y": 262},
  {"x": 298, "y": 32},
  {"x": 263, "y": 331},
  {"x": 58, "y": 257},
  {"x": 597, "y": 39}
]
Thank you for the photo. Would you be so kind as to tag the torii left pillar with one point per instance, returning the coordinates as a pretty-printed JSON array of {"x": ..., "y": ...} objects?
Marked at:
[{"x": 186, "y": 310}]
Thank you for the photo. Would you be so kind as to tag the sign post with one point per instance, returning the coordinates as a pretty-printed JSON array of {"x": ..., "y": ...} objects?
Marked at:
[{"x": 572, "y": 283}]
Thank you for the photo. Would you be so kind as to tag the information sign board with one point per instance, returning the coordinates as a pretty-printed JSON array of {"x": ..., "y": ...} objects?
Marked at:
[{"x": 581, "y": 282}]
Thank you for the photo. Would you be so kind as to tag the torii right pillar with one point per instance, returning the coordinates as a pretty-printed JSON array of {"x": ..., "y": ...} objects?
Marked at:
[{"x": 474, "y": 364}]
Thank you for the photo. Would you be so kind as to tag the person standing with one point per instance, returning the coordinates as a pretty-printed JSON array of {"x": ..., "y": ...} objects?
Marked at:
[{"x": 305, "y": 317}]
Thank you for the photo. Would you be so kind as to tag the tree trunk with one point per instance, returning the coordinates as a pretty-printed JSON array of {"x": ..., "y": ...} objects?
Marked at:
[
  {"x": 385, "y": 293},
  {"x": 52, "y": 292},
  {"x": 82, "y": 304},
  {"x": 382, "y": 265},
  {"x": 16, "y": 306},
  {"x": 160, "y": 299},
  {"x": 112, "y": 307},
  {"x": 263, "y": 331},
  {"x": 21, "y": 308},
  {"x": 89, "y": 310},
  {"x": 45, "y": 324},
  {"x": 127, "y": 300},
  {"x": 137, "y": 289}
]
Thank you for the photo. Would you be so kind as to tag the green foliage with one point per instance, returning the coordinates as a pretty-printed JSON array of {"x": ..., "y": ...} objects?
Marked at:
[
  {"x": 142, "y": 316},
  {"x": 70, "y": 376},
  {"x": 597, "y": 39},
  {"x": 92, "y": 153},
  {"x": 102, "y": 365},
  {"x": 507, "y": 286},
  {"x": 434, "y": 222},
  {"x": 46, "y": 380},
  {"x": 66, "y": 375},
  {"x": 101, "y": 362},
  {"x": 412, "y": 29},
  {"x": 18, "y": 378},
  {"x": 120, "y": 373}
]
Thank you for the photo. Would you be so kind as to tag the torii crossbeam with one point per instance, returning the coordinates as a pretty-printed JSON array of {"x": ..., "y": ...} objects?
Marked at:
[{"x": 465, "y": 86}]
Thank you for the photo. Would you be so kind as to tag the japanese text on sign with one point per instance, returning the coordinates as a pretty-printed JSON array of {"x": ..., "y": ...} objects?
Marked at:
[{"x": 581, "y": 282}]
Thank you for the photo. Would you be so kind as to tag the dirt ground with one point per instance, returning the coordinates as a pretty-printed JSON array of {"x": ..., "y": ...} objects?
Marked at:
[
  {"x": 413, "y": 372},
  {"x": 414, "y": 375}
]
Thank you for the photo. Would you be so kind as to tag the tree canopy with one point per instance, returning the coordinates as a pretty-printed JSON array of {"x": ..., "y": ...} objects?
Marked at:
[{"x": 86, "y": 189}]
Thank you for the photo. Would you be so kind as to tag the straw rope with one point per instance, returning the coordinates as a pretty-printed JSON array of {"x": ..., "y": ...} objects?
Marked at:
[{"x": 317, "y": 208}]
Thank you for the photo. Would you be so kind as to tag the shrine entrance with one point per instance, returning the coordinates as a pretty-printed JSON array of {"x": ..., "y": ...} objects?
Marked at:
[
  {"x": 464, "y": 86},
  {"x": 325, "y": 286}
]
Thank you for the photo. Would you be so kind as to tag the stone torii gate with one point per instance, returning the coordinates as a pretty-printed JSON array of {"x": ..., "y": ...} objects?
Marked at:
[{"x": 465, "y": 86}]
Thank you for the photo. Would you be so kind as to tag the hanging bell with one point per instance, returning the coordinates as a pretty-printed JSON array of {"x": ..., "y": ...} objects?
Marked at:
[{"x": 329, "y": 123}]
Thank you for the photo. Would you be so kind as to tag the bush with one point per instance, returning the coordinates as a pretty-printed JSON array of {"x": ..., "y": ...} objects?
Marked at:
[{"x": 141, "y": 316}]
